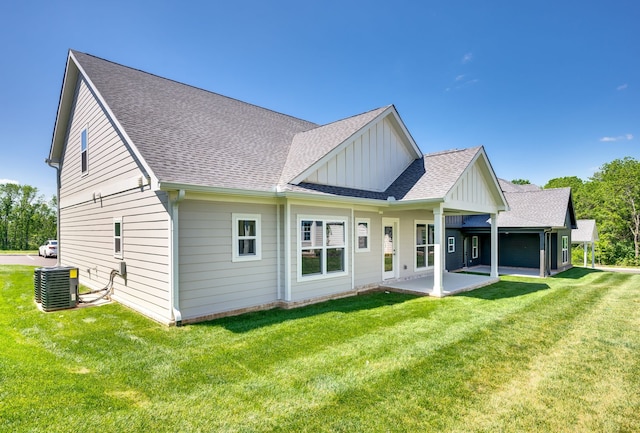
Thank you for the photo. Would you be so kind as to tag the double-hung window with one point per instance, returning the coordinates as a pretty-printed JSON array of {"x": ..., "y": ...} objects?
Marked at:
[
  {"x": 451, "y": 244},
  {"x": 424, "y": 247},
  {"x": 84, "y": 149},
  {"x": 565, "y": 249},
  {"x": 117, "y": 238},
  {"x": 363, "y": 227},
  {"x": 322, "y": 247},
  {"x": 474, "y": 247},
  {"x": 246, "y": 232}
]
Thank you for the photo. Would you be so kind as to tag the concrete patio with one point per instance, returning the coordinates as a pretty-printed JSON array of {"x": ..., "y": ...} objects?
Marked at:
[{"x": 452, "y": 283}]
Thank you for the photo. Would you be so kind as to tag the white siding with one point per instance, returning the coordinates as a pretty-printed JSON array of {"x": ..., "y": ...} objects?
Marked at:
[
  {"x": 368, "y": 265},
  {"x": 86, "y": 233},
  {"x": 371, "y": 161},
  {"x": 472, "y": 191},
  {"x": 210, "y": 283}
]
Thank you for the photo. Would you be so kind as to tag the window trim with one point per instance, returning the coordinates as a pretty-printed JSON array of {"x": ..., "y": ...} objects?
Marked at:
[
  {"x": 475, "y": 247},
  {"x": 451, "y": 244},
  {"x": 357, "y": 236},
  {"x": 118, "y": 254},
  {"x": 565, "y": 250},
  {"x": 299, "y": 248},
  {"x": 84, "y": 151},
  {"x": 427, "y": 245},
  {"x": 236, "y": 237}
]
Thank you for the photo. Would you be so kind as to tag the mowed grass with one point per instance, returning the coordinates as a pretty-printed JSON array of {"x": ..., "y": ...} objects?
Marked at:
[{"x": 558, "y": 354}]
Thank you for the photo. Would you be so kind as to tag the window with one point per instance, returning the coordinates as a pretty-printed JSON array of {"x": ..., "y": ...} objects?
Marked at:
[
  {"x": 83, "y": 151},
  {"x": 474, "y": 247},
  {"x": 424, "y": 245},
  {"x": 322, "y": 251},
  {"x": 117, "y": 238},
  {"x": 362, "y": 235},
  {"x": 246, "y": 233},
  {"x": 565, "y": 249},
  {"x": 451, "y": 244}
]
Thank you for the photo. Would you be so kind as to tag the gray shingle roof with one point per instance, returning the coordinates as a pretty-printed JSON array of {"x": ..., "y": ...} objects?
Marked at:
[
  {"x": 192, "y": 136},
  {"x": 530, "y": 207},
  {"x": 428, "y": 178},
  {"x": 586, "y": 231},
  {"x": 310, "y": 146}
]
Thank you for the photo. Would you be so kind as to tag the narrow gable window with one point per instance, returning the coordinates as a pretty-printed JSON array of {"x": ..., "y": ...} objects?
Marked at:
[
  {"x": 362, "y": 232},
  {"x": 246, "y": 237},
  {"x": 84, "y": 151},
  {"x": 117, "y": 238}
]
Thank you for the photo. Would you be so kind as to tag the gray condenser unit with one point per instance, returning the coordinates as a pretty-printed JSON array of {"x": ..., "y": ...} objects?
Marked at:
[
  {"x": 58, "y": 288},
  {"x": 37, "y": 278}
]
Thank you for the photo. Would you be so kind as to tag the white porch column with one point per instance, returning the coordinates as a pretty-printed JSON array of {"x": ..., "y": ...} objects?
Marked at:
[
  {"x": 593, "y": 255},
  {"x": 586, "y": 247},
  {"x": 494, "y": 245},
  {"x": 438, "y": 258}
]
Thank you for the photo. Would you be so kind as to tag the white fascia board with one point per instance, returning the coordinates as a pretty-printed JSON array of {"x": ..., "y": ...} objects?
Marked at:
[
  {"x": 69, "y": 82},
  {"x": 493, "y": 179},
  {"x": 119, "y": 127},
  {"x": 333, "y": 152}
]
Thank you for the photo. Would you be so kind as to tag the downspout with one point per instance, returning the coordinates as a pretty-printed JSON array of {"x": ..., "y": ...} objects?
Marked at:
[
  {"x": 56, "y": 165},
  {"x": 176, "y": 315}
]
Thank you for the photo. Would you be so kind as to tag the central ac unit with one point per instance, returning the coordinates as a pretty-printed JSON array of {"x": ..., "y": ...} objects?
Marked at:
[{"x": 58, "y": 288}]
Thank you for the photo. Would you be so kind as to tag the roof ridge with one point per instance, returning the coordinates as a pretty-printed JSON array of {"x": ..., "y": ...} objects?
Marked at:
[
  {"x": 192, "y": 86},
  {"x": 445, "y": 152},
  {"x": 346, "y": 118}
]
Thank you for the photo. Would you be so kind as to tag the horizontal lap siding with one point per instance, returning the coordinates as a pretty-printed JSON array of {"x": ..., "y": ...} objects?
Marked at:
[
  {"x": 368, "y": 264},
  {"x": 86, "y": 232},
  {"x": 210, "y": 282}
]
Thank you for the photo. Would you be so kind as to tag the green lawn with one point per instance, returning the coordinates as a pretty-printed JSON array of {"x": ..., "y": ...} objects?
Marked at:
[{"x": 542, "y": 355}]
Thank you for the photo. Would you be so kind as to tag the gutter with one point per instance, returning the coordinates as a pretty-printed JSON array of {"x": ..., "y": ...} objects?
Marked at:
[{"x": 56, "y": 165}]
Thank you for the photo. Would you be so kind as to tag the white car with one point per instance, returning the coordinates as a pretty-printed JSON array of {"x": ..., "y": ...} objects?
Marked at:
[{"x": 49, "y": 249}]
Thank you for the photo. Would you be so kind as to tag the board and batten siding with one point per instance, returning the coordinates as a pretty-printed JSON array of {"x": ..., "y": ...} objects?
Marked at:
[
  {"x": 210, "y": 282},
  {"x": 110, "y": 189},
  {"x": 371, "y": 161}
]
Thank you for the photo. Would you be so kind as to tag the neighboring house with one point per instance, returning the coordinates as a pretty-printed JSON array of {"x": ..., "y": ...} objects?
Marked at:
[
  {"x": 534, "y": 233},
  {"x": 586, "y": 234},
  {"x": 217, "y": 206}
]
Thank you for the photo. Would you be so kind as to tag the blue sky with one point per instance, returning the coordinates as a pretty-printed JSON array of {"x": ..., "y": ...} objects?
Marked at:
[{"x": 550, "y": 88}]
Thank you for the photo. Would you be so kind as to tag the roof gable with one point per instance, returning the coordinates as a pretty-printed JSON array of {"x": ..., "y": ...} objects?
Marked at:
[
  {"x": 538, "y": 208},
  {"x": 186, "y": 135},
  {"x": 586, "y": 231},
  {"x": 368, "y": 151}
]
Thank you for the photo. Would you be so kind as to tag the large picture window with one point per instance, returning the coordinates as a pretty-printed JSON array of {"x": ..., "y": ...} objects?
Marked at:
[
  {"x": 246, "y": 237},
  {"x": 322, "y": 251},
  {"x": 424, "y": 235}
]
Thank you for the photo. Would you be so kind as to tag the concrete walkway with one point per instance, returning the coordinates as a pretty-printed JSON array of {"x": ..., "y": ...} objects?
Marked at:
[{"x": 452, "y": 283}]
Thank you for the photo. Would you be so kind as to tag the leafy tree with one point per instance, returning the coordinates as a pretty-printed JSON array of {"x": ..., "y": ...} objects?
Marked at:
[
  {"x": 521, "y": 182},
  {"x": 26, "y": 220},
  {"x": 618, "y": 192}
]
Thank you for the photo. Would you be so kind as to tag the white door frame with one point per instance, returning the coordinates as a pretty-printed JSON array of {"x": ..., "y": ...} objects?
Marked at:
[{"x": 394, "y": 223}]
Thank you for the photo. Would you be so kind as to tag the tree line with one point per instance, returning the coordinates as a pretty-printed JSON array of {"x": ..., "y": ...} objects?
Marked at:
[
  {"x": 611, "y": 197},
  {"x": 26, "y": 219}
]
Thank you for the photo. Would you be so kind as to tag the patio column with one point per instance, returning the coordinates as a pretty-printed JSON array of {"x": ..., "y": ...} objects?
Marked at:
[
  {"x": 543, "y": 256},
  {"x": 586, "y": 248},
  {"x": 593, "y": 255},
  {"x": 494, "y": 245},
  {"x": 438, "y": 259}
]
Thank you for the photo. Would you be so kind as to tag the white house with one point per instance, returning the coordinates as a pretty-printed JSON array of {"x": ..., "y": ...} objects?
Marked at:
[{"x": 218, "y": 206}]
